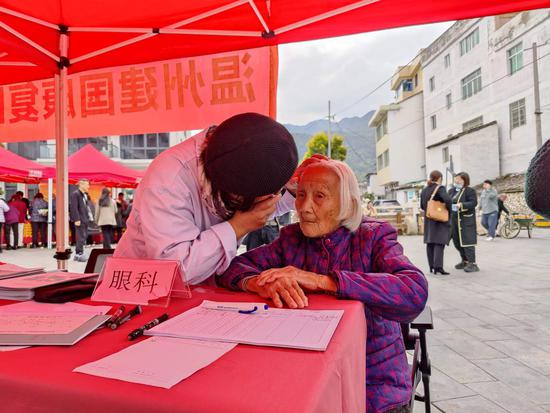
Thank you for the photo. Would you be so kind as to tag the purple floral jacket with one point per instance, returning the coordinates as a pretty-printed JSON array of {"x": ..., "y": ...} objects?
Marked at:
[{"x": 368, "y": 265}]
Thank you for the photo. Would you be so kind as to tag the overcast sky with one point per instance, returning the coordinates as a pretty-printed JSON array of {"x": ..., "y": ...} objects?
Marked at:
[{"x": 344, "y": 70}]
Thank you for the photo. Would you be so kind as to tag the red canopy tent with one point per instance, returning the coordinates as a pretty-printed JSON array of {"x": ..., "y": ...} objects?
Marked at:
[
  {"x": 91, "y": 164},
  {"x": 15, "y": 168},
  {"x": 41, "y": 38}
]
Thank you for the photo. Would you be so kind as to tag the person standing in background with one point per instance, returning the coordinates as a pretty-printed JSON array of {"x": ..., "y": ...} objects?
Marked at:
[
  {"x": 19, "y": 204},
  {"x": 436, "y": 233},
  {"x": 105, "y": 216},
  {"x": 501, "y": 208},
  {"x": 463, "y": 221},
  {"x": 489, "y": 209},
  {"x": 122, "y": 205},
  {"x": 12, "y": 225},
  {"x": 4, "y": 208},
  {"x": 39, "y": 220},
  {"x": 81, "y": 215}
]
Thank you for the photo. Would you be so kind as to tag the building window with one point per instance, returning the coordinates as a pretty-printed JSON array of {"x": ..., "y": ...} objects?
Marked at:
[
  {"x": 432, "y": 84},
  {"x": 146, "y": 146},
  {"x": 381, "y": 129},
  {"x": 445, "y": 151},
  {"x": 447, "y": 61},
  {"x": 471, "y": 84},
  {"x": 469, "y": 42},
  {"x": 472, "y": 124},
  {"x": 380, "y": 162},
  {"x": 408, "y": 85},
  {"x": 433, "y": 119},
  {"x": 517, "y": 114},
  {"x": 449, "y": 99},
  {"x": 515, "y": 58},
  {"x": 386, "y": 158},
  {"x": 416, "y": 80}
]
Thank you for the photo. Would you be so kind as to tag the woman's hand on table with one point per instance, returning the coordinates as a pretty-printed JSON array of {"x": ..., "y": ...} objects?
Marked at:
[
  {"x": 281, "y": 291},
  {"x": 306, "y": 279}
]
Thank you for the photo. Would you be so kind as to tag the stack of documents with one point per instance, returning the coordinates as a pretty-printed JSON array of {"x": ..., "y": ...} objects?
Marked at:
[
  {"x": 31, "y": 323},
  {"x": 12, "y": 270},
  {"x": 302, "y": 329},
  {"x": 22, "y": 288}
]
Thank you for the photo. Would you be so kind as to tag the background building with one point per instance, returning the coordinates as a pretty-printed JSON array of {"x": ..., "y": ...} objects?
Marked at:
[
  {"x": 479, "y": 100},
  {"x": 400, "y": 136}
]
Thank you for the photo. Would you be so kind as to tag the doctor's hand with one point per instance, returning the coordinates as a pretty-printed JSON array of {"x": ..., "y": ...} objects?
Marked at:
[
  {"x": 281, "y": 291},
  {"x": 256, "y": 217}
]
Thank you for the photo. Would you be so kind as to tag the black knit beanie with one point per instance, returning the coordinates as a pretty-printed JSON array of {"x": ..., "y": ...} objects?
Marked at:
[
  {"x": 250, "y": 155},
  {"x": 537, "y": 182}
]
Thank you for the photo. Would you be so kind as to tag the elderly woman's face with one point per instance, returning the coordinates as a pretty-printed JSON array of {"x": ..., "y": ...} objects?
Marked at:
[{"x": 318, "y": 201}]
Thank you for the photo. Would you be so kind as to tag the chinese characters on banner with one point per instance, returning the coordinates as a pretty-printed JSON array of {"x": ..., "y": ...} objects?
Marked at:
[{"x": 180, "y": 94}]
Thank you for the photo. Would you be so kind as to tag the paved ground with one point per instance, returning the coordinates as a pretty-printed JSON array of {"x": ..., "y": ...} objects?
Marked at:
[{"x": 490, "y": 350}]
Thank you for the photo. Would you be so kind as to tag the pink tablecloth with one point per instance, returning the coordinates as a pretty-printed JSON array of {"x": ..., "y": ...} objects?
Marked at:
[{"x": 247, "y": 379}]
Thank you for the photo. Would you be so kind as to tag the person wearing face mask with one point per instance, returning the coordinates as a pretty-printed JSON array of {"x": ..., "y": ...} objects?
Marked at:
[
  {"x": 463, "y": 221},
  {"x": 199, "y": 198}
]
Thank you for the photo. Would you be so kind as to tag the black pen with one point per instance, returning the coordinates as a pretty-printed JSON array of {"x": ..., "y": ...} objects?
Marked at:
[
  {"x": 134, "y": 311},
  {"x": 139, "y": 331},
  {"x": 115, "y": 316}
]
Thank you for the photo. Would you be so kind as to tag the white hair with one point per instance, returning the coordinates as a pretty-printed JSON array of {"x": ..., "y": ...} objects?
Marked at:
[{"x": 351, "y": 214}]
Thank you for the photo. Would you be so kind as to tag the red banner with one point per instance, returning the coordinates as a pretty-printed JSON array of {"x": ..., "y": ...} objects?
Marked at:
[{"x": 172, "y": 95}]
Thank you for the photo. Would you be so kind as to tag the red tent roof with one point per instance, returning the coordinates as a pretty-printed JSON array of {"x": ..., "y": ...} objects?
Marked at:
[
  {"x": 158, "y": 30},
  {"x": 91, "y": 164},
  {"x": 15, "y": 168}
]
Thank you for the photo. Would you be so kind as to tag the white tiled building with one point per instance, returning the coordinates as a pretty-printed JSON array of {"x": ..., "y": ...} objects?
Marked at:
[
  {"x": 479, "y": 95},
  {"x": 400, "y": 136}
]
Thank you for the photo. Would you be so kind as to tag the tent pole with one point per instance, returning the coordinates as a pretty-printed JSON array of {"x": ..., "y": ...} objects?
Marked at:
[
  {"x": 50, "y": 210},
  {"x": 63, "y": 253}
]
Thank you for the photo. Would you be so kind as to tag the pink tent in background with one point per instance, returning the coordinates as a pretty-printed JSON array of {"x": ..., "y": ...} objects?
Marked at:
[
  {"x": 91, "y": 164},
  {"x": 15, "y": 168}
]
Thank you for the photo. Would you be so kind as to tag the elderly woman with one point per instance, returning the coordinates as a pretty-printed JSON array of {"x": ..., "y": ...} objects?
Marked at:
[{"x": 334, "y": 250}]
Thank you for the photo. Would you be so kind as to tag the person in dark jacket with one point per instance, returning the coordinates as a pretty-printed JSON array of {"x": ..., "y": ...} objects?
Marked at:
[
  {"x": 463, "y": 221},
  {"x": 436, "y": 234},
  {"x": 39, "y": 220},
  {"x": 81, "y": 215}
]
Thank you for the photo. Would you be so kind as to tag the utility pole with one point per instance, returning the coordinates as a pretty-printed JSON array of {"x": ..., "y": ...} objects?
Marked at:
[
  {"x": 330, "y": 118},
  {"x": 538, "y": 112}
]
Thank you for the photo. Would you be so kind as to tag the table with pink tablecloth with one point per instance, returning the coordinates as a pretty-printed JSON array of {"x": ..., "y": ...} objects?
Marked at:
[{"x": 247, "y": 379}]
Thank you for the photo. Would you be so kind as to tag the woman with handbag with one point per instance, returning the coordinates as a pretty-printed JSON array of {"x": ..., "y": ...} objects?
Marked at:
[{"x": 436, "y": 204}]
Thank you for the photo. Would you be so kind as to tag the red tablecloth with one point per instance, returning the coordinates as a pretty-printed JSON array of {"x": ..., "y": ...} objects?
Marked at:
[{"x": 247, "y": 379}]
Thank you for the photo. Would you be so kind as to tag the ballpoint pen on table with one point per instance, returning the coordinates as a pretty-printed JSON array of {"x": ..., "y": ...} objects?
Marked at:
[
  {"x": 139, "y": 331},
  {"x": 121, "y": 320},
  {"x": 115, "y": 316}
]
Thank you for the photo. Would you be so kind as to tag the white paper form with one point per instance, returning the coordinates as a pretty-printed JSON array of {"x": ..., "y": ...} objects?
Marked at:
[
  {"x": 159, "y": 361},
  {"x": 302, "y": 329}
]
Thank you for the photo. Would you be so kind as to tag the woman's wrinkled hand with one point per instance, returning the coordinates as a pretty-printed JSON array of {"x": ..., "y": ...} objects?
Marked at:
[
  {"x": 283, "y": 290},
  {"x": 306, "y": 279}
]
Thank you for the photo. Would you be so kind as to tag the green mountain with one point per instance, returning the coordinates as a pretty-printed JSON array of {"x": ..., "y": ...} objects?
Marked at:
[{"x": 359, "y": 138}]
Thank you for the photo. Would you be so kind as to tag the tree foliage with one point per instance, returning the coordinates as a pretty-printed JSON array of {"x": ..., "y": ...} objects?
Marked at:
[{"x": 318, "y": 145}]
